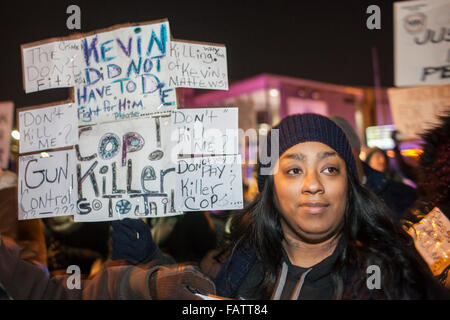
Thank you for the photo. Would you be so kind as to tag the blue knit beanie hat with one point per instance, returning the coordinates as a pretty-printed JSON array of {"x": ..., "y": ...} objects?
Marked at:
[{"x": 309, "y": 127}]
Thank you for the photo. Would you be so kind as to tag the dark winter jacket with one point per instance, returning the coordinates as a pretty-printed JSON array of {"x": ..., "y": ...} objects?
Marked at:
[
  {"x": 242, "y": 274},
  {"x": 23, "y": 280}
]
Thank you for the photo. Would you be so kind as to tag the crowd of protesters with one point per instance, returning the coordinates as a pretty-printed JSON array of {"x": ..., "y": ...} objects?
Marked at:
[{"x": 312, "y": 230}]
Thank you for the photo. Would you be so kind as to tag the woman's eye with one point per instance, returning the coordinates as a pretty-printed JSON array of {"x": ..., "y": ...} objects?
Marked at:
[
  {"x": 294, "y": 171},
  {"x": 331, "y": 170}
]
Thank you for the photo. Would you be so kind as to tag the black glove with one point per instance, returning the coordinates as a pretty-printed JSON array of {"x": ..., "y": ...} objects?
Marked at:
[
  {"x": 132, "y": 241},
  {"x": 179, "y": 282}
]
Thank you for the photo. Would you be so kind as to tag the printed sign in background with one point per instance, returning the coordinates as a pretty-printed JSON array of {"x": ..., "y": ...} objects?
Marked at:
[
  {"x": 6, "y": 122},
  {"x": 421, "y": 46},
  {"x": 125, "y": 170},
  {"x": 416, "y": 109},
  {"x": 206, "y": 131},
  {"x": 47, "y": 185},
  {"x": 209, "y": 183},
  {"x": 48, "y": 127}
]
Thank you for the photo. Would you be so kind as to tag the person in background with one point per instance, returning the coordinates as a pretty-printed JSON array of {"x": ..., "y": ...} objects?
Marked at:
[
  {"x": 378, "y": 160},
  {"x": 75, "y": 243},
  {"x": 398, "y": 196},
  {"x": 408, "y": 171}
]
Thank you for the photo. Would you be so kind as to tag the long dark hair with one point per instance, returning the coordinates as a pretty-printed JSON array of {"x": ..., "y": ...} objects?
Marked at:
[{"x": 369, "y": 237}]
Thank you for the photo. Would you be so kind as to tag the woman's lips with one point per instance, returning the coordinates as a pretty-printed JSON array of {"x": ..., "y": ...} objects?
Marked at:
[{"x": 314, "y": 207}]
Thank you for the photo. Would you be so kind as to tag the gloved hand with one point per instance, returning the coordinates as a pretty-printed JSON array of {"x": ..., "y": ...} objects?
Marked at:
[
  {"x": 179, "y": 282},
  {"x": 132, "y": 241}
]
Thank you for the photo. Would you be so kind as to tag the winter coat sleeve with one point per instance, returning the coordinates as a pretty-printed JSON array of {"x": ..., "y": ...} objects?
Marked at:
[{"x": 23, "y": 280}]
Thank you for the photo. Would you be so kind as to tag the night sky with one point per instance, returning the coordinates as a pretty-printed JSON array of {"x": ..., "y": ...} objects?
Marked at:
[{"x": 318, "y": 40}]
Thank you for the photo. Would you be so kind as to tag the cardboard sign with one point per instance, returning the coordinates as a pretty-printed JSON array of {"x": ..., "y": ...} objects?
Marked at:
[
  {"x": 125, "y": 170},
  {"x": 123, "y": 72},
  {"x": 57, "y": 64},
  {"x": 124, "y": 81},
  {"x": 126, "y": 74},
  {"x": 48, "y": 128},
  {"x": 209, "y": 183},
  {"x": 206, "y": 130},
  {"x": 432, "y": 239},
  {"x": 47, "y": 185},
  {"x": 197, "y": 65},
  {"x": 421, "y": 44},
  {"x": 416, "y": 109},
  {"x": 6, "y": 120}
]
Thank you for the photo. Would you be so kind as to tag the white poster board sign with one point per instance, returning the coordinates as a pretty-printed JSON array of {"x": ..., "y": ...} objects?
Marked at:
[
  {"x": 51, "y": 65},
  {"x": 6, "y": 122},
  {"x": 209, "y": 183},
  {"x": 47, "y": 185},
  {"x": 197, "y": 65},
  {"x": 416, "y": 109},
  {"x": 126, "y": 74},
  {"x": 206, "y": 131},
  {"x": 48, "y": 128},
  {"x": 421, "y": 46},
  {"x": 125, "y": 170}
]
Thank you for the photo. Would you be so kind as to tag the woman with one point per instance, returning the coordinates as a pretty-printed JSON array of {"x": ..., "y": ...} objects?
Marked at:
[
  {"x": 314, "y": 232},
  {"x": 378, "y": 160}
]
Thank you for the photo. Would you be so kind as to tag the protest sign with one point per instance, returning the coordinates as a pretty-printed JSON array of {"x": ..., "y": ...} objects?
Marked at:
[
  {"x": 123, "y": 72},
  {"x": 125, "y": 170},
  {"x": 47, "y": 185},
  {"x": 206, "y": 130},
  {"x": 209, "y": 183},
  {"x": 43, "y": 128},
  {"x": 126, "y": 74},
  {"x": 421, "y": 47},
  {"x": 197, "y": 65},
  {"x": 124, "y": 80},
  {"x": 52, "y": 64},
  {"x": 6, "y": 120},
  {"x": 432, "y": 239},
  {"x": 416, "y": 109}
]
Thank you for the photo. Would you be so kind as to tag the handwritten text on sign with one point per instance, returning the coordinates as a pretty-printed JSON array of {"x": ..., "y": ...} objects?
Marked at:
[
  {"x": 209, "y": 183},
  {"x": 47, "y": 185},
  {"x": 48, "y": 128},
  {"x": 206, "y": 130},
  {"x": 52, "y": 65},
  {"x": 126, "y": 74},
  {"x": 124, "y": 170},
  {"x": 194, "y": 65}
]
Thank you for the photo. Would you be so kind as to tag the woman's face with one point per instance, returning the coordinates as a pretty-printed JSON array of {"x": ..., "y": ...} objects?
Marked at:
[
  {"x": 311, "y": 191},
  {"x": 378, "y": 161}
]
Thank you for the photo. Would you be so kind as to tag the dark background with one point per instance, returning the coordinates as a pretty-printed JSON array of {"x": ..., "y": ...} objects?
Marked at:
[{"x": 319, "y": 40}]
